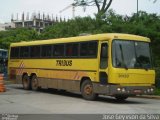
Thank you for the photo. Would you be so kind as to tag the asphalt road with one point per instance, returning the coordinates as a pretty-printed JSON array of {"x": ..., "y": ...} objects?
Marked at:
[{"x": 18, "y": 101}]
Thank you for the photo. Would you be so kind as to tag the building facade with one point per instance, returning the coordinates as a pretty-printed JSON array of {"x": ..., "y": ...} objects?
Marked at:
[
  {"x": 6, "y": 26},
  {"x": 37, "y": 22}
]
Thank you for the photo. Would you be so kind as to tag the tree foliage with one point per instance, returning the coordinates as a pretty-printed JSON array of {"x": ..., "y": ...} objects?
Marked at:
[
  {"x": 154, "y": 1},
  {"x": 16, "y": 35}
]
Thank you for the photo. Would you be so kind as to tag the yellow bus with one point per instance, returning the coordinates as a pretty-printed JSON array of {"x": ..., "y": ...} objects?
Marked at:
[{"x": 118, "y": 65}]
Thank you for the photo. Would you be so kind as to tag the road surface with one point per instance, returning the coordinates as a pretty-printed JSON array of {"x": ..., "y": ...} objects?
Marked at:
[{"x": 18, "y": 101}]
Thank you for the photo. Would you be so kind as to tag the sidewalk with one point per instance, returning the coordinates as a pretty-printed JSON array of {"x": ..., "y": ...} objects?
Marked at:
[
  {"x": 148, "y": 96},
  {"x": 7, "y": 82}
]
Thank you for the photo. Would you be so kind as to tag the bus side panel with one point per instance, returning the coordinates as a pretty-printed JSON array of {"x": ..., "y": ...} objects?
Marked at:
[
  {"x": 67, "y": 80},
  {"x": 51, "y": 75}
]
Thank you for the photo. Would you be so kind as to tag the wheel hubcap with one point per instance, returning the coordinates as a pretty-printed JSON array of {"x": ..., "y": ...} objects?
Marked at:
[
  {"x": 25, "y": 83},
  {"x": 34, "y": 83},
  {"x": 88, "y": 89}
]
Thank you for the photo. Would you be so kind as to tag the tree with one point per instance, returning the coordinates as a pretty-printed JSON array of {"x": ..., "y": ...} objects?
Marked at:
[
  {"x": 102, "y": 5},
  {"x": 154, "y": 1},
  {"x": 16, "y": 35}
]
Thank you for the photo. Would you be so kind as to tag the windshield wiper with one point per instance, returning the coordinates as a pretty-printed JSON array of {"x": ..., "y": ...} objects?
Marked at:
[
  {"x": 122, "y": 55},
  {"x": 146, "y": 67}
]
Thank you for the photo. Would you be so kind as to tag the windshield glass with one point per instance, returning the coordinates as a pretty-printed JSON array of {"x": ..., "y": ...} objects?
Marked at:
[{"x": 131, "y": 54}]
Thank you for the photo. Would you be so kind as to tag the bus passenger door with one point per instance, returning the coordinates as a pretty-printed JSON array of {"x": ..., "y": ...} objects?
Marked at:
[{"x": 103, "y": 66}]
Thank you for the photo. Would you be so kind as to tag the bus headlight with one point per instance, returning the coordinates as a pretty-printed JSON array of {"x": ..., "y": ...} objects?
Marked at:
[
  {"x": 123, "y": 90},
  {"x": 148, "y": 90},
  {"x": 152, "y": 89},
  {"x": 118, "y": 89}
]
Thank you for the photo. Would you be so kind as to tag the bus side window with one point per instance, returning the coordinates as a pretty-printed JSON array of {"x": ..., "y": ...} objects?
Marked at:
[
  {"x": 24, "y": 52},
  {"x": 88, "y": 49},
  {"x": 46, "y": 51},
  {"x": 15, "y": 52},
  {"x": 58, "y": 50},
  {"x": 92, "y": 49},
  {"x": 83, "y": 49},
  {"x": 72, "y": 50},
  {"x": 35, "y": 51},
  {"x": 104, "y": 56}
]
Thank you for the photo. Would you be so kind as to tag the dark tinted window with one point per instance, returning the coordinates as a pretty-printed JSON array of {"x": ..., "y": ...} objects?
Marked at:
[
  {"x": 3, "y": 54},
  {"x": 35, "y": 51},
  {"x": 104, "y": 56},
  {"x": 84, "y": 49},
  {"x": 24, "y": 52},
  {"x": 14, "y": 52},
  {"x": 72, "y": 49},
  {"x": 58, "y": 50},
  {"x": 88, "y": 49},
  {"x": 92, "y": 48},
  {"x": 46, "y": 51}
]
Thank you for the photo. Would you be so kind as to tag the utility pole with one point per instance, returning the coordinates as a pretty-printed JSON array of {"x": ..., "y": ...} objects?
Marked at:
[{"x": 137, "y": 8}]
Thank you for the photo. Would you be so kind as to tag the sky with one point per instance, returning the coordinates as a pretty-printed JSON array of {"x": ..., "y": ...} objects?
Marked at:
[{"x": 123, "y": 7}]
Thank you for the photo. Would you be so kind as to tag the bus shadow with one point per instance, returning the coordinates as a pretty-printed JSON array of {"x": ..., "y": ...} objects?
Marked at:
[
  {"x": 104, "y": 99},
  {"x": 107, "y": 99},
  {"x": 60, "y": 92}
]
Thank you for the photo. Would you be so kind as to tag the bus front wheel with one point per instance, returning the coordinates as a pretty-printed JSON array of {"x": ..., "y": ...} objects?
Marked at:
[
  {"x": 87, "y": 90},
  {"x": 34, "y": 83},
  {"x": 26, "y": 82}
]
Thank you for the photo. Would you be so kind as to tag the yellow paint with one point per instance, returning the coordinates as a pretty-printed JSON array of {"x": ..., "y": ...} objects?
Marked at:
[{"x": 46, "y": 68}]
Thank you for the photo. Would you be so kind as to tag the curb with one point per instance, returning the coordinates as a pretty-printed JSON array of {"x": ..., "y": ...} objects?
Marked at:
[
  {"x": 7, "y": 82},
  {"x": 148, "y": 96}
]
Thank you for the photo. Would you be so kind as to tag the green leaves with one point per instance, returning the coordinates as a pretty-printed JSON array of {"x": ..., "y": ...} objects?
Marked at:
[{"x": 16, "y": 35}]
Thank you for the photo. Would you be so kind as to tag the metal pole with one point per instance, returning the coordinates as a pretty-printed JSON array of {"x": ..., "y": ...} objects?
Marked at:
[
  {"x": 73, "y": 11},
  {"x": 137, "y": 8}
]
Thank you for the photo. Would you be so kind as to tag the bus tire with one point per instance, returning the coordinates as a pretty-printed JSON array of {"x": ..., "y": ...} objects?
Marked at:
[
  {"x": 26, "y": 82},
  {"x": 87, "y": 90},
  {"x": 34, "y": 83},
  {"x": 121, "y": 97}
]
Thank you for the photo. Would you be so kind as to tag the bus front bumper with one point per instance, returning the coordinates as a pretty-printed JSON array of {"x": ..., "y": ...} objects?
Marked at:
[{"x": 114, "y": 90}]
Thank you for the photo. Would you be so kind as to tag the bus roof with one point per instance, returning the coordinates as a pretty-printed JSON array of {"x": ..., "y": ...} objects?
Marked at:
[{"x": 105, "y": 36}]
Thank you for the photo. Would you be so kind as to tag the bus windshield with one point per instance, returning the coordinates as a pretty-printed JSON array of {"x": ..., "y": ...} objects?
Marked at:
[{"x": 131, "y": 54}]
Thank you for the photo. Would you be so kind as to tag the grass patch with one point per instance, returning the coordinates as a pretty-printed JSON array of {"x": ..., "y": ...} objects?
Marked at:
[{"x": 157, "y": 91}]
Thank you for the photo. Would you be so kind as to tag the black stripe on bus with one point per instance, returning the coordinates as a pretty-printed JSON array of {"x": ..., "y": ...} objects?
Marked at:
[{"x": 56, "y": 69}]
